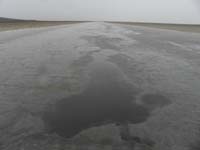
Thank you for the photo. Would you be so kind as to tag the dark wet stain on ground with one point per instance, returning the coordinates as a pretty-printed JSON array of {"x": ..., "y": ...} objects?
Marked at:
[
  {"x": 131, "y": 140},
  {"x": 195, "y": 144},
  {"x": 128, "y": 65},
  {"x": 104, "y": 42},
  {"x": 107, "y": 98},
  {"x": 83, "y": 61}
]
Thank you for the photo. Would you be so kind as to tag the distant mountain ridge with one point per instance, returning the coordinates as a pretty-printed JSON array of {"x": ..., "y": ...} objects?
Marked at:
[{"x": 2, "y": 19}]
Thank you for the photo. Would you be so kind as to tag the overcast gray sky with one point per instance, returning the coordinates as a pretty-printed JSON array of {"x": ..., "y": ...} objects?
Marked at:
[{"x": 173, "y": 11}]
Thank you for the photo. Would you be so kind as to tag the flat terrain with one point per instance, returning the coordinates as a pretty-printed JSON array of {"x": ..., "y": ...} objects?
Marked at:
[
  {"x": 14, "y": 25},
  {"x": 2, "y": 19},
  {"x": 99, "y": 86},
  {"x": 177, "y": 27}
]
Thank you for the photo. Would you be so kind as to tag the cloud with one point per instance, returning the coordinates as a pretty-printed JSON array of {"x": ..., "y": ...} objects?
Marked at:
[
  {"x": 197, "y": 2},
  {"x": 197, "y": 5},
  {"x": 172, "y": 11}
]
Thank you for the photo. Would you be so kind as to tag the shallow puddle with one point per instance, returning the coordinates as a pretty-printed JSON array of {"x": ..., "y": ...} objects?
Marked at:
[{"x": 108, "y": 98}]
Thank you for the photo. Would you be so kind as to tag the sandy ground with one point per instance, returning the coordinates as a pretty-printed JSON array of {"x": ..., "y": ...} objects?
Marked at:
[
  {"x": 41, "y": 67},
  {"x": 5, "y": 26}
]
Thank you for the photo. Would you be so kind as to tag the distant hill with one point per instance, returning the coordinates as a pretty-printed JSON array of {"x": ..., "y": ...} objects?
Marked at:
[{"x": 2, "y": 19}]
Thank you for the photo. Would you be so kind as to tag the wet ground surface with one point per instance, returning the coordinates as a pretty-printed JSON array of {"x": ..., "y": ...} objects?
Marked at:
[{"x": 99, "y": 86}]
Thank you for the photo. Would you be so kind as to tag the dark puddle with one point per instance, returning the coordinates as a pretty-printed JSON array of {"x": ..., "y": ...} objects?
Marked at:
[{"x": 108, "y": 98}]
